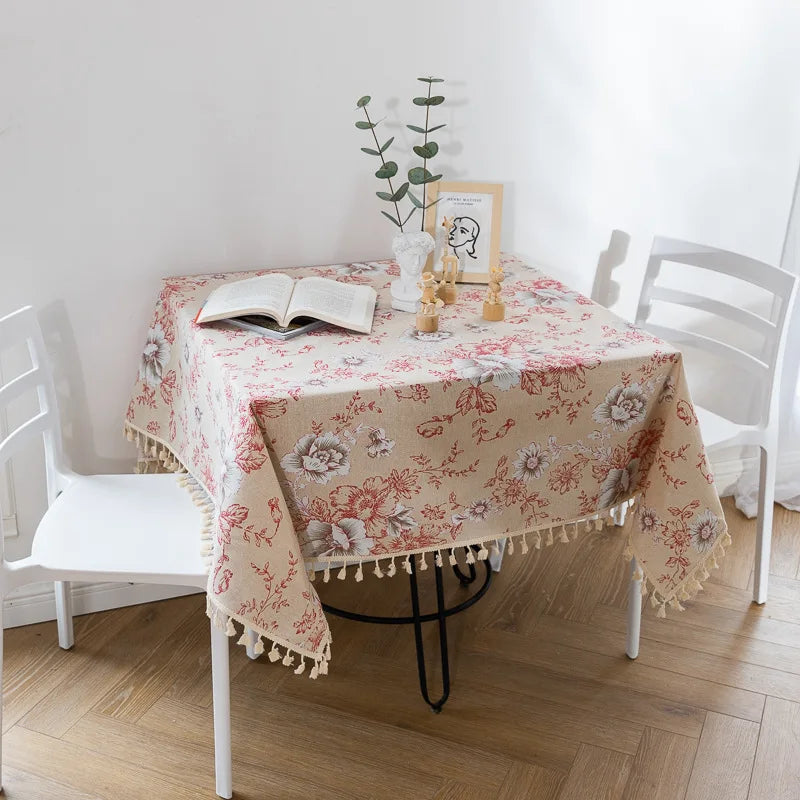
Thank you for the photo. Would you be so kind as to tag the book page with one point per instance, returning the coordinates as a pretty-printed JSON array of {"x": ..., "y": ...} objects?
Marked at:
[
  {"x": 267, "y": 294},
  {"x": 340, "y": 303}
]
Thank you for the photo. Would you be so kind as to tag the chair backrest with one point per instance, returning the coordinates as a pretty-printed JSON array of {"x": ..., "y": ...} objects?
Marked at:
[
  {"x": 764, "y": 365},
  {"x": 21, "y": 327}
]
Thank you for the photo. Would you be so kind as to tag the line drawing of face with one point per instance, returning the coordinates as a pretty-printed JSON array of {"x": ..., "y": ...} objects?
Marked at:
[{"x": 463, "y": 236}]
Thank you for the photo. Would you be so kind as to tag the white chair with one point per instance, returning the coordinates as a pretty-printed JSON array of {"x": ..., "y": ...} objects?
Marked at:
[
  {"x": 136, "y": 528},
  {"x": 765, "y": 367}
]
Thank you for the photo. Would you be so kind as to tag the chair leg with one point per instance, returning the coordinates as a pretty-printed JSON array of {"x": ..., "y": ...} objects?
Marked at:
[
  {"x": 766, "y": 499},
  {"x": 497, "y": 560},
  {"x": 252, "y": 638},
  {"x": 220, "y": 680},
  {"x": 634, "y": 611},
  {"x": 66, "y": 636}
]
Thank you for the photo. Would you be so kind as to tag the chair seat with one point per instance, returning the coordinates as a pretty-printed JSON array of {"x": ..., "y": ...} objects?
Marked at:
[
  {"x": 715, "y": 429},
  {"x": 143, "y": 526}
]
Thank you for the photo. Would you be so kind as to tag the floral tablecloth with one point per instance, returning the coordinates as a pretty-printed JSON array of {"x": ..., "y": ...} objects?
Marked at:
[{"x": 353, "y": 452}]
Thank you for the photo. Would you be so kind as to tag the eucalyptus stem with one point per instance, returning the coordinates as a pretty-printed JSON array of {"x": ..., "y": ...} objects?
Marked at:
[
  {"x": 425, "y": 160},
  {"x": 383, "y": 163}
]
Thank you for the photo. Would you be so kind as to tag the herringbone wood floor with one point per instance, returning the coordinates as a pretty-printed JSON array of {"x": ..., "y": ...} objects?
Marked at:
[{"x": 544, "y": 703}]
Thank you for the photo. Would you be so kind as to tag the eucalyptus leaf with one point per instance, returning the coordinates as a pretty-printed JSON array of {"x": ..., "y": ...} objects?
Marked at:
[
  {"x": 416, "y": 129},
  {"x": 418, "y": 175},
  {"x": 433, "y": 179},
  {"x": 420, "y": 101},
  {"x": 436, "y": 128},
  {"x": 413, "y": 198},
  {"x": 400, "y": 193},
  {"x": 388, "y": 170},
  {"x": 389, "y": 216},
  {"x": 363, "y": 125},
  {"x": 387, "y": 196},
  {"x": 431, "y": 80},
  {"x": 431, "y": 205},
  {"x": 410, "y": 214},
  {"x": 363, "y": 101},
  {"x": 386, "y": 144},
  {"x": 369, "y": 151},
  {"x": 436, "y": 100},
  {"x": 428, "y": 150}
]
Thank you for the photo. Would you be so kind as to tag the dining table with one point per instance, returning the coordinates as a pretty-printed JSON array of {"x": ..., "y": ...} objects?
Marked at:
[{"x": 336, "y": 453}]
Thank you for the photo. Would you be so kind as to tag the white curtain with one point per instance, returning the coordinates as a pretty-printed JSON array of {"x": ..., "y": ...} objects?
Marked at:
[{"x": 787, "y": 486}]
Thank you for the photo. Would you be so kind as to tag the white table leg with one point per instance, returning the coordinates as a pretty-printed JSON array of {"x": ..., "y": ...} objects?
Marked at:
[{"x": 634, "y": 611}]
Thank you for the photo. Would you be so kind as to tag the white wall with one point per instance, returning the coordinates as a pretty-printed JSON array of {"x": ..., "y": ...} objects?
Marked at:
[{"x": 145, "y": 138}]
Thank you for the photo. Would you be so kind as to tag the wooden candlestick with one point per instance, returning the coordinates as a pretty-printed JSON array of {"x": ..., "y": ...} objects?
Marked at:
[
  {"x": 494, "y": 309},
  {"x": 428, "y": 315}
]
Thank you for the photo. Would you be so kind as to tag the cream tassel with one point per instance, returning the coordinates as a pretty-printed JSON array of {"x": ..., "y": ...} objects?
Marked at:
[
  {"x": 496, "y": 549},
  {"x": 273, "y": 654},
  {"x": 301, "y": 667},
  {"x": 423, "y": 564},
  {"x": 326, "y": 576},
  {"x": 437, "y": 559},
  {"x": 312, "y": 573},
  {"x": 549, "y": 539},
  {"x": 662, "y": 611},
  {"x": 359, "y": 573},
  {"x": 564, "y": 536},
  {"x": 230, "y": 628},
  {"x": 510, "y": 545},
  {"x": 342, "y": 573},
  {"x": 453, "y": 560},
  {"x": 483, "y": 553},
  {"x": 524, "y": 544},
  {"x": 470, "y": 556},
  {"x": 287, "y": 660},
  {"x": 407, "y": 564},
  {"x": 391, "y": 570},
  {"x": 258, "y": 648},
  {"x": 377, "y": 572},
  {"x": 314, "y": 671}
]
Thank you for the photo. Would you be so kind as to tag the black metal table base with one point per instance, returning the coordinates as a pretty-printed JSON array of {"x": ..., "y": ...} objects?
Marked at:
[{"x": 417, "y": 618}]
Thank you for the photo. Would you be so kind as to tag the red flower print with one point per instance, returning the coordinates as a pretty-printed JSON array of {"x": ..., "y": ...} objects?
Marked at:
[
  {"x": 372, "y": 503},
  {"x": 232, "y": 517},
  {"x": 403, "y": 484},
  {"x": 564, "y": 477}
]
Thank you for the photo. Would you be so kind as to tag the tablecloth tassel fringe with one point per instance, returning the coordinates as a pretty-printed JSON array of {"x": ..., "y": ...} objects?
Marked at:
[
  {"x": 598, "y": 523},
  {"x": 288, "y": 659},
  {"x": 575, "y": 532},
  {"x": 510, "y": 545},
  {"x": 230, "y": 628},
  {"x": 437, "y": 559},
  {"x": 274, "y": 653},
  {"x": 391, "y": 570},
  {"x": 301, "y": 667},
  {"x": 359, "y": 573},
  {"x": 470, "y": 556},
  {"x": 564, "y": 536},
  {"x": 495, "y": 553},
  {"x": 342, "y": 573},
  {"x": 312, "y": 574},
  {"x": 258, "y": 647},
  {"x": 675, "y": 604},
  {"x": 314, "y": 671},
  {"x": 244, "y": 639},
  {"x": 453, "y": 561},
  {"x": 483, "y": 553},
  {"x": 377, "y": 572},
  {"x": 549, "y": 538},
  {"x": 326, "y": 576},
  {"x": 423, "y": 564},
  {"x": 662, "y": 611},
  {"x": 407, "y": 564}
]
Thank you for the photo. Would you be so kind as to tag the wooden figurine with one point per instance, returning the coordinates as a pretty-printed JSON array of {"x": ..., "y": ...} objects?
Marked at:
[
  {"x": 447, "y": 288},
  {"x": 428, "y": 316},
  {"x": 494, "y": 309}
]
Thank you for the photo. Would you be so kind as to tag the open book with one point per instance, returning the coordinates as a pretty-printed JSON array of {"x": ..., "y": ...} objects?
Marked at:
[{"x": 285, "y": 299}]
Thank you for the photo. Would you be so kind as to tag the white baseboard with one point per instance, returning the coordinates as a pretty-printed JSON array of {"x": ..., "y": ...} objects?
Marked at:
[
  {"x": 36, "y": 603},
  {"x": 727, "y": 471}
]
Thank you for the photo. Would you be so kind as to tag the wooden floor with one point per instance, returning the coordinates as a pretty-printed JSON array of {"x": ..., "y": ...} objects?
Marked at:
[{"x": 544, "y": 704}]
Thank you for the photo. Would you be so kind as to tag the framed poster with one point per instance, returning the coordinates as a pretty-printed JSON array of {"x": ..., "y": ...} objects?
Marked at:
[{"x": 476, "y": 210}]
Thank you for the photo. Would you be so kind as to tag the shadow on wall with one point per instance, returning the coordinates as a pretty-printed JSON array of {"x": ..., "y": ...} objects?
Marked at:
[
  {"x": 605, "y": 291},
  {"x": 73, "y": 404}
]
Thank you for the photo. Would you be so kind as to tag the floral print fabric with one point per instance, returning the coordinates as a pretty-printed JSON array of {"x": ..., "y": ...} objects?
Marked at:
[{"x": 341, "y": 449}]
